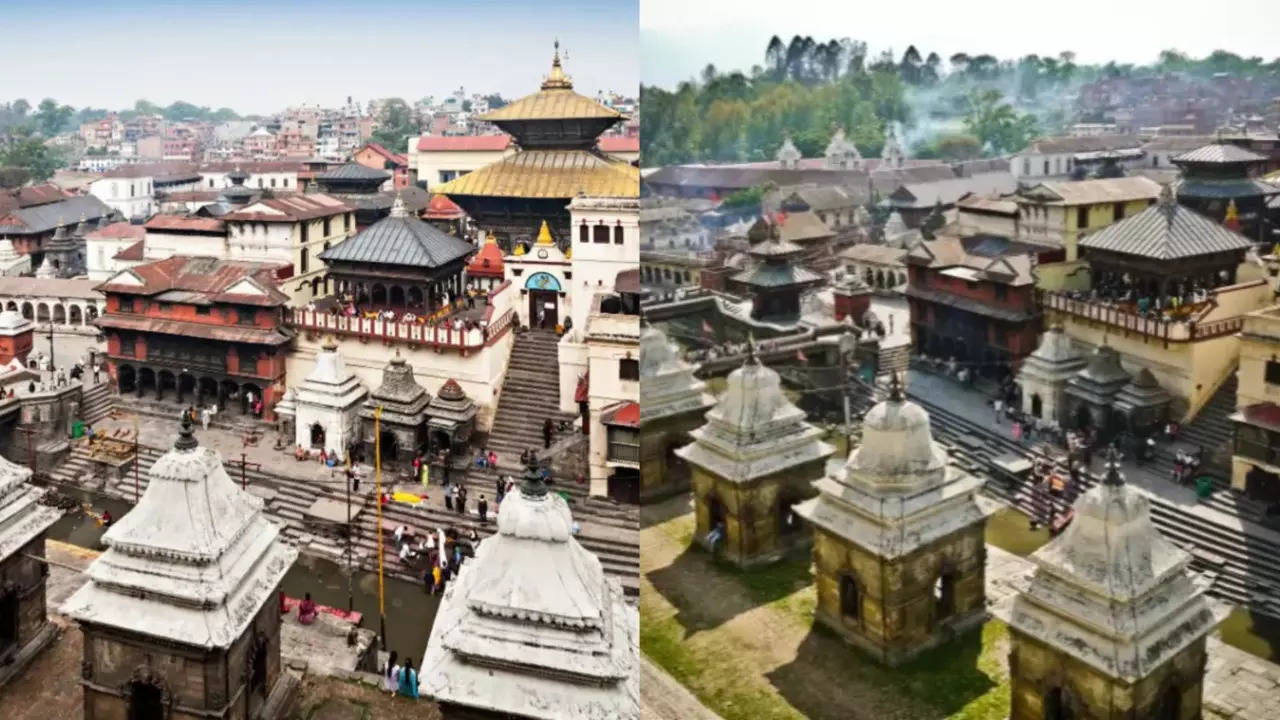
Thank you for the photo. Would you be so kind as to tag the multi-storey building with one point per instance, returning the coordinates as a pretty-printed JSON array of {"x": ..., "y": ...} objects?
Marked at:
[
  {"x": 1255, "y": 461},
  {"x": 199, "y": 330},
  {"x": 292, "y": 229}
]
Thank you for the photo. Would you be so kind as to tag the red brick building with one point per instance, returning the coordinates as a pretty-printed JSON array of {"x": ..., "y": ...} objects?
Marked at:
[
  {"x": 197, "y": 330},
  {"x": 973, "y": 299},
  {"x": 377, "y": 157}
]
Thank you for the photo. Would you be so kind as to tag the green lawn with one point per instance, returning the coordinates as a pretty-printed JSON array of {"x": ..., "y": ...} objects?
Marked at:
[{"x": 744, "y": 642}]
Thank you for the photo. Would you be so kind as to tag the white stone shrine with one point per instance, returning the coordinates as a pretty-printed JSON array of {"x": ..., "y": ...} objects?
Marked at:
[
  {"x": 1044, "y": 374},
  {"x": 531, "y": 627},
  {"x": 327, "y": 404},
  {"x": 180, "y": 612},
  {"x": 24, "y": 628}
]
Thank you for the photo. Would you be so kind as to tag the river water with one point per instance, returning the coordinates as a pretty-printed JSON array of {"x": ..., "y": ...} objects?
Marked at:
[{"x": 410, "y": 609}]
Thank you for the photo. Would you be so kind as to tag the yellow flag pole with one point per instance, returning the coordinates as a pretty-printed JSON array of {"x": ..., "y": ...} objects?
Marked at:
[{"x": 377, "y": 474}]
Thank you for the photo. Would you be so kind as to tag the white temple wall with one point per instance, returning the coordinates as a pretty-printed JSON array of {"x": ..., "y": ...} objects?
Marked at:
[
  {"x": 573, "y": 364},
  {"x": 340, "y": 425}
]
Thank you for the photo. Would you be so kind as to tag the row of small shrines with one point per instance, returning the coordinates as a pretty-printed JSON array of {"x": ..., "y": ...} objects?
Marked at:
[
  {"x": 1112, "y": 624},
  {"x": 180, "y": 616}
]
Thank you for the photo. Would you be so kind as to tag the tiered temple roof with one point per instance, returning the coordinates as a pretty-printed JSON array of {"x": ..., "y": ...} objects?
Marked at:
[
  {"x": 896, "y": 493},
  {"x": 754, "y": 431},
  {"x": 403, "y": 400},
  {"x": 1142, "y": 393},
  {"x": 487, "y": 262},
  {"x": 667, "y": 383},
  {"x": 192, "y": 563},
  {"x": 451, "y": 407},
  {"x": 400, "y": 239},
  {"x": 1111, "y": 591},
  {"x": 532, "y": 627},
  {"x": 1101, "y": 378},
  {"x": 1056, "y": 360},
  {"x": 330, "y": 385}
]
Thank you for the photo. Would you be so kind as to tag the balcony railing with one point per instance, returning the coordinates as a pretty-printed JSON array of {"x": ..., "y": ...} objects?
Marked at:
[
  {"x": 442, "y": 336},
  {"x": 623, "y": 452},
  {"x": 1182, "y": 330}
]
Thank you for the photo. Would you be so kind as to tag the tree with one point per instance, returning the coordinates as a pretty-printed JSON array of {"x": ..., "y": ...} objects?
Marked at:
[
  {"x": 32, "y": 155},
  {"x": 959, "y": 63},
  {"x": 495, "y": 101},
  {"x": 13, "y": 177},
  {"x": 50, "y": 116},
  {"x": 395, "y": 125},
  {"x": 952, "y": 148},
  {"x": 910, "y": 67},
  {"x": 996, "y": 124},
  {"x": 21, "y": 107}
]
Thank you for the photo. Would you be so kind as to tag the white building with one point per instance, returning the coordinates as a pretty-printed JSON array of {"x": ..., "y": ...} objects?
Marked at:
[
  {"x": 294, "y": 229},
  {"x": 542, "y": 274},
  {"x": 128, "y": 192},
  {"x": 104, "y": 244},
  {"x": 437, "y": 159},
  {"x": 1056, "y": 157},
  {"x": 606, "y": 242},
  {"x": 327, "y": 405},
  {"x": 278, "y": 176}
]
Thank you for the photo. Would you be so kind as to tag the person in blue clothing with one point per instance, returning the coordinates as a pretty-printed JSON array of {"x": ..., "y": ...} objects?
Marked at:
[{"x": 408, "y": 680}]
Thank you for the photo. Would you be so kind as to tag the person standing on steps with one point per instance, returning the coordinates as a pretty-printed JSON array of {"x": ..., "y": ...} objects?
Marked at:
[
  {"x": 546, "y": 433},
  {"x": 542, "y": 318},
  {"x": 460, "y": 502},
  {"x": 448, "y": 498},
  {"x": 483, "y": 507}
]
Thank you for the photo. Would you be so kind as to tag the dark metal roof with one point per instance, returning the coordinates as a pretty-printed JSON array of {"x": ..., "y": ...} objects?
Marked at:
[
  {"x": 1166, "y": 231},
  {"x": 1219, "y": 153},
  {"x": 400, "y": 241},
  {"x": 43, "y": 218},
  {"x": 354, "y": 171},
  {"x": 771, "y": 276},
  {"x": 960, "y": 302},
  {"x": 1225, "y": 188}
]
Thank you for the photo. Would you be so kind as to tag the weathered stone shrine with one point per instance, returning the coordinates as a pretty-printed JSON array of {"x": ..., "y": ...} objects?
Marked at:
[
  {"x": 24, "y": 628},
  {"x": 452, "y": 418},
  {"x": 674, "y": 403},
  {"x": 403, "y": 425},
  {"x": 753, "y": 459},
  {"x": 327, "y": 404},
  {"x": 179, "y": 616},
  {"x": 531, "y": 627},
  {"x": 1113, "y": 623},
  {"x": 899, "y": 545},
  {"x": 1044, "y": 374}
]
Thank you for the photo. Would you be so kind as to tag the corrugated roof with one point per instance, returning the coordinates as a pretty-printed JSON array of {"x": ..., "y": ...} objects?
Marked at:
[
  {"x": 1219, "y": 153},
  {"x": 984, "y": 203},
  {"x": 463, "y": 143},
  {"x": 22, "y": 197},
  {"x": 207, "y": 331},
  {"x": 948, "y": 191},
  {"x": 185, "y": 222},
  {"x": 798, "y": 227},
  {"x": 1177, "y": 143},
  {"x": 765, "y": 275},
  {"x": 1089, "y": 192},
  {"x": 825, "y": 198},
  {"x": 15, "y": 286},
  {"x": 1058, "y": 145},
  {"x": 618, "y": 144},
  {"x": 354, "y": 171},
  {"x": 119, "y": 230},
  {"x": 1004, "y": 262},
  {"x": 400, "y": 241},
  {"x": 871, "y": 253},
  {"x": 1166, "y": 231},
  {"x": 549, "y": 174},
  {"x": 291, "y": 208},
  {"x": 212, "y": 277},
  {"x": 39, "y": 219}
]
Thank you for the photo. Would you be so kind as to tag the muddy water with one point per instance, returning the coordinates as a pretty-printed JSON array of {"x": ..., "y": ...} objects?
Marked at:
[
  {"x": 1009, "y": 530},
  {"x": 410, "y": 610},
  {"x": 1253, "y": 633}
]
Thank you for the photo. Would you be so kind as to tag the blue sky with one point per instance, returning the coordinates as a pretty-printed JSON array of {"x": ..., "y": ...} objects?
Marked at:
[
  {"x": 678, "y": 38},
  {"x": 257, "y": 57}
]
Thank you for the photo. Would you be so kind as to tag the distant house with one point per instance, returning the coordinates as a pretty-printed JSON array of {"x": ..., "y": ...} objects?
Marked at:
[{"x": 377, "y": 157}]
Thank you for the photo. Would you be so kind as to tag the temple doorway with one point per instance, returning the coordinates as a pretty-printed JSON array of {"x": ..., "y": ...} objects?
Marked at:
[
  {"x": 8, "y": 621},
  {"x": 1037, "y": 406},
  {"x": 1056, "y": 706},
  {"x": 1170, "y": 704},
  {"x": 258, "y": 673},
  {"x": 1083, "y": 421},
  {"x": 675, "y": 468},
  {"x": 146, "y": 701},
  {"x": 548, "y": 302},
  {"x": 789, "y": 522},
  {"x": 850, "y": 602},
  {"x": 1262, "y": 485},
  {"x": 440, "y": 441},
  {"x": 624, "y": 485},
  {"x": 944, "y": 596},
  {"x": 388, "y": 445},
  {"x": 317, "y": 436},
  {"x": 126, "y": 380},
  {"x": 715, "y": 513}
]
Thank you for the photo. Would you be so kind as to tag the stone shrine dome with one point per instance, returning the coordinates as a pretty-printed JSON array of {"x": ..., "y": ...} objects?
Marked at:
[
  {"x": 532, "y": 627},
  {"x": 667, "y": 382},
  {"x": 192, "y": 563},
  {"x": 11, "y": 320},
  {"x": 897, "y": 446}
]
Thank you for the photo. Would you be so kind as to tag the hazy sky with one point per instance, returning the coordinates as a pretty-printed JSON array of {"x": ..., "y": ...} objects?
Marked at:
[
  {"x": 257, "y": 57},
  {"x": 678, "y": 38}
]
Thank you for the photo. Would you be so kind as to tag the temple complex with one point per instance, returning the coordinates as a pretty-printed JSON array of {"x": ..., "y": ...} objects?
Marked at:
[
  {"x": 1091, "y": 393},
  {"x": 327, "y": 405},
  {"x": 1113, "y": 622},
  {"x": 24, "y": 627},
  {"x": 556, "y": 130},
  {"x": 360, "y": 187},
  {"x": 403, "y": 425},
  {"x": 754, "y": 459},
  {"x": 899, "y": 546},
  {"x": 531, "y": 627},
  {"x": 179, "y": 616},
  {"x": 1220, "y": 174},
  {"x": 1168, "y": 290},
  {"x": 542, "y": 272},
  {"x": 674, "y": 403},
  {"x": 776, "y": 280},
  {"x": 400, "y": 263}
]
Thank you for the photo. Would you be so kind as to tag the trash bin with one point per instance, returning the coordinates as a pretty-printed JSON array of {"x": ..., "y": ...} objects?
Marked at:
[
  {"x": 77, "y": 429},
  {"x": 1204, "y": 486}
]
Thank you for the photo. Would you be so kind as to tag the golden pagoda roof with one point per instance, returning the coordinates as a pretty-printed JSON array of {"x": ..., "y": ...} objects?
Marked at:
[
  {"x": 555, "y": 101},
  {"x": 549, "y": 174},
  {"x": 544, "y": 235}
]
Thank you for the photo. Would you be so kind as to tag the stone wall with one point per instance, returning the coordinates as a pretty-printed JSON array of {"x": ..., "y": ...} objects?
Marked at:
[
  {"x": 25, "y": 576},
  {"x": 898, "y": 613},
  {"x": 662, "y": 474},
  {"x": 753, "y": 511},
  {"x": 1036, "y": 669},
  {"x": 197, "y": 683}
]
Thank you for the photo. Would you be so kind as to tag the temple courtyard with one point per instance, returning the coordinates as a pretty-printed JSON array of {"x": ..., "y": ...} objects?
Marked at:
[{"x": 746, "y": 644}]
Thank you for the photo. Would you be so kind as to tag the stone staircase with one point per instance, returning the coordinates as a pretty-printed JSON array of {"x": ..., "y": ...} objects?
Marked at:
[
  {"x": 606, "y": 531},
  {"x": 1244, "y": 565},
  {"x": 96, "y": 402},
  {"x": 530, "y": 395}
]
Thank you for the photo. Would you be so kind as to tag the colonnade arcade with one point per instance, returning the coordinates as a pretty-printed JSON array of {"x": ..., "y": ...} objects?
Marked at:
[
  {"x": 186, "y": 388},
  {"x": 409, "y": 294},
  {"x": 57, "y": 312}
]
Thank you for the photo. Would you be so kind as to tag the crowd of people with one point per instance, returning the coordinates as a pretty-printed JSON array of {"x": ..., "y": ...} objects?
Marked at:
[
  {"x": 1123, "y": 292},
  {"x": 437, "y": 316}
]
